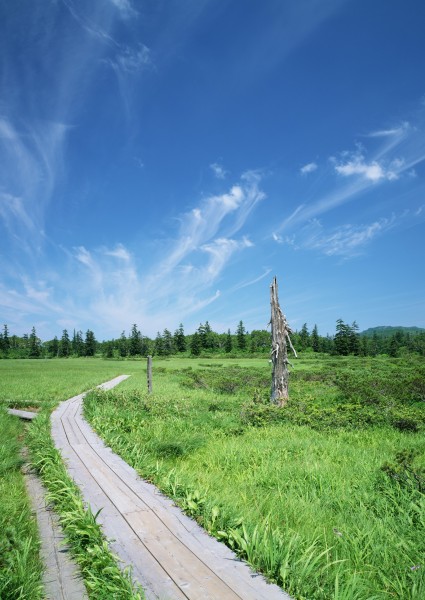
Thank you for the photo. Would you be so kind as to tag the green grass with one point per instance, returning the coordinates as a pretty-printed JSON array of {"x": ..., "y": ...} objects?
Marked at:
[
  {"x": 41, "y": 384},
  {"x": 44, "y": 383},
  {"x": 20, "y": 567},
  {"x": 326, "y": 498}
]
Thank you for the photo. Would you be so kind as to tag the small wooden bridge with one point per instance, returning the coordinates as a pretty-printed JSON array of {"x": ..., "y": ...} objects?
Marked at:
[{"x": 171, "y": 556}]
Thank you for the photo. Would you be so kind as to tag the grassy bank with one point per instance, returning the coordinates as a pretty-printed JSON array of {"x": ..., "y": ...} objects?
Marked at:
[
  {"x": 20, "y": 567},
  {"x": 326, "y": 498}
]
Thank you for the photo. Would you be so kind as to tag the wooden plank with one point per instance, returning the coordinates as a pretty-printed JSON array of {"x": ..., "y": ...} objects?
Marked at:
[
  {"x": 125, "y": 543},
  {"x": 22, "y": 414},
  {"x": 222, "y": 559},
  {"x": 191, "y": 575},
  {"x": 61, "y": 575},
  {"x": 171, "y": 555}
]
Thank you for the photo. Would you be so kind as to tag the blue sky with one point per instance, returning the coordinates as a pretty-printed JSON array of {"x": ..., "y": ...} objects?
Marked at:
[{"x": 161, "y": 161}]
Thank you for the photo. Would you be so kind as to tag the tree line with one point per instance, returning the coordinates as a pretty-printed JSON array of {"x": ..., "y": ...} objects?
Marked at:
[{"x": 204, "y": 342}]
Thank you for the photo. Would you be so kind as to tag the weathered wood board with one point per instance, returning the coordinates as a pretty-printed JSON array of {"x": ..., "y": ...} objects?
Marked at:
[{"x": 170, "y": 555}]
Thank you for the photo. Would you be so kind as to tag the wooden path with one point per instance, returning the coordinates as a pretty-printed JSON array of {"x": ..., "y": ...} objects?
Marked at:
[
  {"x": 61, "y": 575},
  {"x": 22, "y": 414},
  {"x": 171, "y": 556}
]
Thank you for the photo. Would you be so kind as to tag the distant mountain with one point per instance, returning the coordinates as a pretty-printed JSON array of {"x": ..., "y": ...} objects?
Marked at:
[{"x": 388, "y": 330}]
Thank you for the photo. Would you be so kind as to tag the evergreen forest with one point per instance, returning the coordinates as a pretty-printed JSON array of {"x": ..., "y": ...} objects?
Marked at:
[{"x": 395, "y": 342}]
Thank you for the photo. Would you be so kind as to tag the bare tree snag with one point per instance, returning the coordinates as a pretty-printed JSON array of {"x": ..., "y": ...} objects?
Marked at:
[{"x": 279, "y": 355}]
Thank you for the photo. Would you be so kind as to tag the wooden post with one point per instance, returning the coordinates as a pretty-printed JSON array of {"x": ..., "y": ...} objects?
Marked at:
[
  {"x": 279, "y": 355},
  {"x": 149, "y": 374}
]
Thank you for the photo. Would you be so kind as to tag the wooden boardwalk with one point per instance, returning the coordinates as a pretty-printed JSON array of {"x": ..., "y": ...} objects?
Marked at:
[
  {"x": 22, "y": 414},
  {"x": 61, "y": 575},
  {"x": 171, "y": 556}
]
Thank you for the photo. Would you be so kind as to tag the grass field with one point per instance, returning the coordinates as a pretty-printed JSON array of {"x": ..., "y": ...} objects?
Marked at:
[{"x": 326, "y": 497}]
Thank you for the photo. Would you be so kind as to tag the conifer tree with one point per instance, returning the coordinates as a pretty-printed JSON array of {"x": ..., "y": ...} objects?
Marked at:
[
  {"x": 209, "y": 337},
  {"x": 77, "y": 344},
  {"x": 393, "y": 347},
  {"x": 167, "y": 343},
  {"x": 134, "y": 346},
  {"x": 342, "y": 338},
  {"x": 54, "y": 347},
  {"x": 180, "y": 339},
  {"x": 315, "y": 340},
  {"x": 90, "y": 344},
  {"x": 241, "y": 336},
  {"x": 159, "y": 345},
  {"x": 354, "y": 341},
  {"x": 202, "y": 335},
  {"x": 65, "y": 345},
  {"x": 6, "y": 340},
  {"x": 304, "y": 337},
  {"x": 34, "y": 345},
  {"x": 195, "y": 344}
]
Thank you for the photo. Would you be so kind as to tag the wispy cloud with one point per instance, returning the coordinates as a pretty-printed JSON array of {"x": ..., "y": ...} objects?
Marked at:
[
  {"x": 245, "y": 284},
  {"x": 13, "y": 213},
  {"x": 119, "y": 252},
  {"x": 31, "y": 160},
  {"x": 95, "y": 29},
  {"x": 110, "y": 287},
  {"x": 347, "y": 240},
  {"x": 401, "y": 149},
  {"x": 131, "y": 60},
  {"x": 394, "y": 131},
  {"x": 220, "y": 251},
  {"x": 218, "y": 170},
  {"x": 125, "y": 8},
  {"x": 308, "y": 168},
  {"x": 226, "y": 213}
]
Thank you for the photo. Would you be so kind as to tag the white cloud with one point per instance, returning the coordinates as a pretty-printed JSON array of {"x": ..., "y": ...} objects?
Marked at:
[
  {"x": 106, "y": 289},
  {"x": 402, "y": 149},
  {"x": 348, "y": 240},
  {"x": 372, "y": 171},
  {"x": 308, "y": 168},
  {"x": 131, "y": 60},
  {"x": 31, "y": 161},
  {"x": 279, "y": 239},
  {"x": 345, "y": 241},
  {"x": 245, "y": 284},
  {"x": 125, "y": 8},
  {"x": 225, "y": 212},
  {"x": 119, "y": 252},
  {"x": 394, "y": 131},
  {"x": 218, "y": 170},
  {"x": 220, "y": 251},
  {"x": 12, "y": 211}
]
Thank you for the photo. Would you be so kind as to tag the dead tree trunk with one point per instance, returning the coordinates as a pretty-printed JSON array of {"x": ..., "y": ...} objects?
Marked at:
[{"x": 279, "y": 354}]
